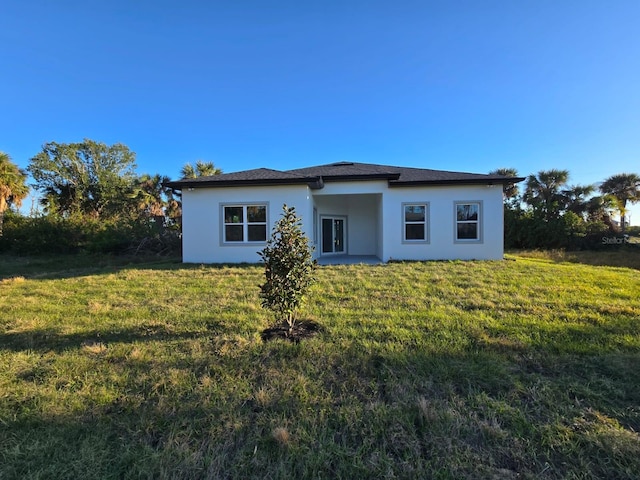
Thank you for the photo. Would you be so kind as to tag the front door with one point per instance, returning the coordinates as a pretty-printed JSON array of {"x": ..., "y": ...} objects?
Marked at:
[{"x": 334, "y": 234}]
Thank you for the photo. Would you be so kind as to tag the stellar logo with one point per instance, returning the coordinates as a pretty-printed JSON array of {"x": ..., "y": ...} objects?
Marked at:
[{"x": 615, "y": 240}]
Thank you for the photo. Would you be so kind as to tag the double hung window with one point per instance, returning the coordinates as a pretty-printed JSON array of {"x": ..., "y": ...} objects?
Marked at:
[
  {"x": 468, "y": 221},
  {"x": 415, "y": 222}
]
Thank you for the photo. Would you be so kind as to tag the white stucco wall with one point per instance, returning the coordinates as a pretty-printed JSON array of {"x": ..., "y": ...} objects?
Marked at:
[
  {"x": 202, "y": 222},
  {"x": 380, "y": 228},
  {"x": 374, "y": 219},
  {"x": 442, "y": 224}
]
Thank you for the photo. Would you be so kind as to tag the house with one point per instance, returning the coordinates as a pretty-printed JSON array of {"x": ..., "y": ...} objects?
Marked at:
[{"x": 347, "y": 209}]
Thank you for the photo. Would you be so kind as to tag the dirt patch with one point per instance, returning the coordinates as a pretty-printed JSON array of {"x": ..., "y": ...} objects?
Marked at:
[{"x": 301, "y": 330}]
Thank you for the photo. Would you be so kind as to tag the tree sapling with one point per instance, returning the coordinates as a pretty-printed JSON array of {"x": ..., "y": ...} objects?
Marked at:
[{"x": 289, "y": 268}]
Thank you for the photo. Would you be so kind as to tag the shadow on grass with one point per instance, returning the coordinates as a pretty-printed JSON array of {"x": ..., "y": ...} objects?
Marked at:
[
  {"x": 50, "y": 340},
  {"x": 406, "y": 413},
  {"x": 129, "y": 440},
  {"x": 71, "y": 266}
]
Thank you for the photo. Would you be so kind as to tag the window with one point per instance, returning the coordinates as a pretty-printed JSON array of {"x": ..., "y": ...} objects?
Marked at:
[
  {"x": 468, "y": 221},
  {"x": 244, "y": 223},
  {"x": 415, "y": 222}
]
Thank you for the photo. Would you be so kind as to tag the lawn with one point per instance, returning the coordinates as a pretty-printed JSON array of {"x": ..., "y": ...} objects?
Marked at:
[{"x": 524, "y": 368}]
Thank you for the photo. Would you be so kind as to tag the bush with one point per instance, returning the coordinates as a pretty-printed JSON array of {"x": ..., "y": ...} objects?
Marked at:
[
  {"x": 529, "y": 230},
  {"x": 75, "y": 234},
  {"x": 289, "y": 267},
  {"x": 38, "y": 235}
]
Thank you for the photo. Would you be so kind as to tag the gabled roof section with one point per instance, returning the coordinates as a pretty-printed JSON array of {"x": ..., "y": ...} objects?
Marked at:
[
  {"x": 399, "y": 176},
  {"x": 257, "y": 176},
  {"x": 421, "y": 176},
  {"x": 315, "y": 177},
  {"x": 349, "y": 171}
]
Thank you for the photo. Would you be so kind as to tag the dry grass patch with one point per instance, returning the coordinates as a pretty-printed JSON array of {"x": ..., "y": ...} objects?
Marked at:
[
  {"x": 282, "y": 436},
  {"x": 12, "y": 280},
  {"x": 625, "y": 257}
]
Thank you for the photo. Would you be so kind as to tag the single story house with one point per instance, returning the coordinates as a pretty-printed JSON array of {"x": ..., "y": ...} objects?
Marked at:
[{"x": 347, "y": 210}]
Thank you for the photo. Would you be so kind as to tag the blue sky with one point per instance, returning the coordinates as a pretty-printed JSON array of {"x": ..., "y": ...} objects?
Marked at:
[{"x": 452, "y": 85}]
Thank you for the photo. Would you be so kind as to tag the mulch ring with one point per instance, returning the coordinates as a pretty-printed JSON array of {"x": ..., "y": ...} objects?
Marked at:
[{"x": 301, "y": 330}]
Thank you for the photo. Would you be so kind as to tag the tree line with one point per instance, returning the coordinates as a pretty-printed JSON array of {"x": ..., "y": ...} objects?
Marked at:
[
  {"x": 551, "y": 213},
  {"x": 90, "y": 199}
]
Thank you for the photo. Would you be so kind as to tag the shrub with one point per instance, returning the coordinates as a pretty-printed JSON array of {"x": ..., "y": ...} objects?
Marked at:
[
  {"x": 289, "y": 267},
  {"x": 38, "y": 235},
  {"x": 81, "y": 233}
]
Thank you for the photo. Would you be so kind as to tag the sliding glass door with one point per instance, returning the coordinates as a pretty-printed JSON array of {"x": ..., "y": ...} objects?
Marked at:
[{"x": 334, "y": 235}]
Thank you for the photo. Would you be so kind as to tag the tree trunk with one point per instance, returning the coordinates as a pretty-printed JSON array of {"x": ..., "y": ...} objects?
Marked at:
[{"x": 623, "y": 213}]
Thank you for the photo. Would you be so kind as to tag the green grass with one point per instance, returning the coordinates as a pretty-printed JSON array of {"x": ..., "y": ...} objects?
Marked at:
[{"x": 525, "y": 368}]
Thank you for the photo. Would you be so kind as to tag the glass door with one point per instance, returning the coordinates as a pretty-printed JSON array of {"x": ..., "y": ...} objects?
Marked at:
[{"x": 333, "y": 235}]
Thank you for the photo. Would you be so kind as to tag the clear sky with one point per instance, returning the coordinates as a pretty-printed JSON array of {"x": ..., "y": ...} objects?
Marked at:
[{"x": 452, "y": 85}]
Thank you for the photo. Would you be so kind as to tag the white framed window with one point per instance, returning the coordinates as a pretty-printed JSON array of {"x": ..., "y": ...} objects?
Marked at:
[
  {"x": 468, "y": 226},
  {"x": 244, "y": 223},
  {"x": 415, "y": 222}
]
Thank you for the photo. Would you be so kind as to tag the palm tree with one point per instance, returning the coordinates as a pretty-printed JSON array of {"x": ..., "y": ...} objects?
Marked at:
[
  {"x": 599, "y": 210},
  {"x": 202, "y": 169},
  {"x": 543, "y": 191},
  {"x": 624, "y": 187},
  {"x": 150, "y": 194},
  {"x": 173, "y": 210},
  {"x": 575, "y": 198},
  {"x": 13, "y": 187},
  {"x": 510, "y": 190},
  {"x": 155, "y": 200}
]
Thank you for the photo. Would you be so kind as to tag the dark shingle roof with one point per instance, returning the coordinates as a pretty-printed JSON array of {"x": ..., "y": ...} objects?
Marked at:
[
  {"x": 344, "y": 171},
  {"x": 258, "y": 176},
  {"x": 397, "y": 175},
  {"x": 349, "y": 171}
]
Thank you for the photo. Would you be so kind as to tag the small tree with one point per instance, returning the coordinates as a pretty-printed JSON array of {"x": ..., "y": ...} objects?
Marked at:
[{"x": 289, "y": 268}]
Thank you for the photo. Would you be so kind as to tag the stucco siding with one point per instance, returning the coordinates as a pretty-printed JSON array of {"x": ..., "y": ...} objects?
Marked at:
[
  {"x": 202, "y": 240},
  {"x": 362, "y": 225},
  {"x": 375, "y": 219},
  {"x": 442, "y": 223}
]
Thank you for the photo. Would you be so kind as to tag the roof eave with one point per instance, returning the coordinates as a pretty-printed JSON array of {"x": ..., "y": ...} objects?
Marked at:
[
  {"x": 181, "y": 184},
  {"x": 470, "y": 181},
  {"x": 319, "y": 181}
]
